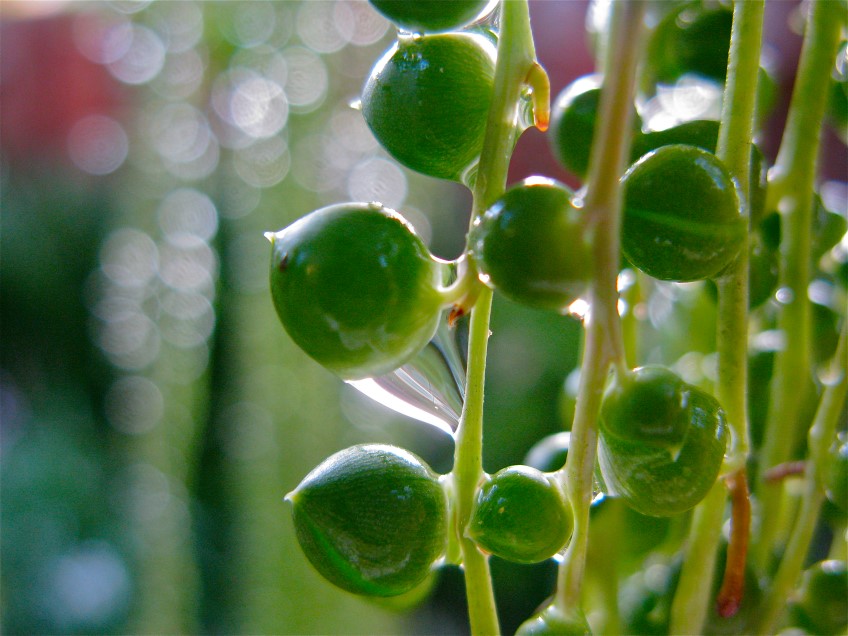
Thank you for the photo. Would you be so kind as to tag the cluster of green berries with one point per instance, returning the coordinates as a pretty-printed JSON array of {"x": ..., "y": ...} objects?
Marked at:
[{"x": 359, "y": 292}]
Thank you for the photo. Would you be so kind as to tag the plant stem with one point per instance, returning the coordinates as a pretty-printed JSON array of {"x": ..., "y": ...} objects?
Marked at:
[
  {"x": 516, "y": 58},
  {"x": 734, "y": 148},
  {"x": 689, "y": 607},
  {"x": 790, "y": 192},
  {"x": 821, "y": 436},
  {"x": 603, "y": 340}
]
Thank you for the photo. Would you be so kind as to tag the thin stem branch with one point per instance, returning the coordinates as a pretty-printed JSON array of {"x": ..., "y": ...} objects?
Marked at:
[
  {"x": 821, "y": 436},
  {"x": 603, "y": 341},
  {"x": 734, "y": 149},
  {"x": 516, "y": 59},
  {"x": 790, "y": 192}
]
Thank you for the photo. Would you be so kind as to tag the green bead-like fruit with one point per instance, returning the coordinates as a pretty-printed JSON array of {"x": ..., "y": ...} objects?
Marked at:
[
  {"x": 520, "y": 515},
  {"x": 427, "y": 101},
  {"x": 372, "y": 519},
  {"x": 692, "y": 39},
  {"x": 650, "y": 405},
  {"x": 551, "y": 621},
  {"x": 549, "y": 453},
  {"x": 822, "y": 606},
  {"x": 668, "y": 477},
  {"x": 682, "y": 218},
  {"x": 530, "y": 245},
  {"x": 573, "y": 117},
  {"x": 701, "y": 133},
  {"x": 355, "y": 288},
  {"x": 430, "y": 16}
]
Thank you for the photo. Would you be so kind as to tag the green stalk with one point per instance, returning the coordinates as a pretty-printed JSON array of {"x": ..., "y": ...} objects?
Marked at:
[
  {"x": 603, "y": 344},
  {"x": 516, "y": 59},
  {"x": 689, "y": 607},
  {"x": 821, "y": 436},
  {"x": 736, "y": 132},
  {"x": 790, "y": 192}
]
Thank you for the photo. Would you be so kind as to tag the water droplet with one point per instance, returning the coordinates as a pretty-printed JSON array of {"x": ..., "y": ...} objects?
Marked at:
[
  {"x": 784, "y": 296},
  {"x": 429, "y": 388}
]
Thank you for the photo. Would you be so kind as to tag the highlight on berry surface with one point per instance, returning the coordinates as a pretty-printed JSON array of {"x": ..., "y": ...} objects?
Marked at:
[{"x": 372, "y": 519}]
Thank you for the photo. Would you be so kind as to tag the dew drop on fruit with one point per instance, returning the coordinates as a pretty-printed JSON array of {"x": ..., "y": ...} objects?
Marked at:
[{"x": 429, "y": 388}]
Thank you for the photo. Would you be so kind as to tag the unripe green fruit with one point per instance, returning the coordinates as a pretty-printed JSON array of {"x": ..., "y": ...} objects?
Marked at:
[
  {"x": 355, "y": 288},
  {"x": 573, "y": 117},
  {"x": 530, "y": 245},
  {"x": 427, "y": 101},
  {"x": 672, "y": 473},
  {"x": 430, "y": 16},
  {"x": 650, "y": 405},
  {"x": 553, "y": 622},
  {"x": 702, "y": 133},
  {"x": 520, "y": 516},
  {"x": 693, "y": 38},
  {"x": 682, "y": 218},
  {"x": 372, "y": 519},
  {"x": 549, "y": 453}
]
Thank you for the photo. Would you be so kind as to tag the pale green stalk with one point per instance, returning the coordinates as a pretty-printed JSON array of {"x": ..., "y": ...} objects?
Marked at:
[
  {"x": 691, "y": 600},
  {"x": 516, "y": 58},
  {"x": 603, "y": 344},
  {"x": 791, "y": 188},
  {"x": 821, "y": 436}
]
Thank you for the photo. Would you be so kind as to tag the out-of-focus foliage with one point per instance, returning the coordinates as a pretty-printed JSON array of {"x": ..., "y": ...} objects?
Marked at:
[{"x": 154, "y": 412}]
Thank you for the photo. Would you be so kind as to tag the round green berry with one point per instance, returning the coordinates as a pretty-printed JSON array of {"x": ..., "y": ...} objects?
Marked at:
[
  {"x": 430, "y": 16},
  {"x": 649, "y": 405},
  {"x": 372, "y": 519},
  {"x": 427, "y": 101},
  {"x": 682, "y": 218},
  {"x": 573, "y": 117},
  {"x": 671, "y": 473},
  {"x": 520, "y": 515},
  {"x": 702, "y": 133},
  {"x": 530, "y": 245},
  {"x": 355, "y": 288},
  {"x": 694, "y": 38},
  {"x": 549, "y": 453}
]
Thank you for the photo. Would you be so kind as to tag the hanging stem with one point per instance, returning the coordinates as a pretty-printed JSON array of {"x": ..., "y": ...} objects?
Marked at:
[
  {"x": 689, "y": 608},
  {"x": 603, "y": 341},
  {"x": 516, "y": 61},
  {"x": 734, "y": 149},
  {"x": 821, "y": 436},
  {"x": 790, "y": 192}
]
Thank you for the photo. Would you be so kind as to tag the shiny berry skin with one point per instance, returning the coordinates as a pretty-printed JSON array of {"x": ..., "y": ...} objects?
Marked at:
[
  {"x": 673, "y": 472},
  {"x": 549, "y": 453},
  {"x": 573, "y": 117},
  {"x": 430, "y": 16},
  {"x": 693, "y": 38},
  {"x": 372, "y": 519},
  {"x": 427, "y": 101},
  {"x": 682, "y": 218},
  {"x": 520, "y": 516},
  {"x": 530, "y": 245},
  {"x": 650, "y": 405},
  {"x": 702, "y": 133},
  {"x": 355, "y": 288}
]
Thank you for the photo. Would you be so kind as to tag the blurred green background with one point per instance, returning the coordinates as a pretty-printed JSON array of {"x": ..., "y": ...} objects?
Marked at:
[{"x": 154, "y": 412}]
